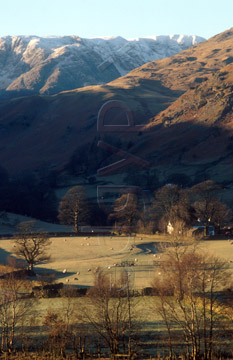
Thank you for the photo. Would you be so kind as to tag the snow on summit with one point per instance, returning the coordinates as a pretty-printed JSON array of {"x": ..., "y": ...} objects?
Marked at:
[{"x": 56, "y": 63}]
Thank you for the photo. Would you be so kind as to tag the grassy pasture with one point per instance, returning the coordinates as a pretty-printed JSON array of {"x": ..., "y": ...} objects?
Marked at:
[{"x": 81, "y": 256}]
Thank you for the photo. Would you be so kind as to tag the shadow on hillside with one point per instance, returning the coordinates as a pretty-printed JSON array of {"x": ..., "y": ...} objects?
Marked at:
[
  {"x": 57, "y": 274},
  {"x": 5, "y": 256},
  {"x": 200, "y": 150}
]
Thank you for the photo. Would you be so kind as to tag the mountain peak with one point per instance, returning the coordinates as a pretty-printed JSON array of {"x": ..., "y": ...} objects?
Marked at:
[{"x": 47, "y": 65}]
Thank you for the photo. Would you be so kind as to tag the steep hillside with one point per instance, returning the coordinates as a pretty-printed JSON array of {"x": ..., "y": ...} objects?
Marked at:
[
  {"x": 44, "y": 131},
  {"x": 209, "y": 103},
  {"x": 36, "y": 65},
  {"x": 188, "y": 68},
  {"x": 194, "y": 134}
]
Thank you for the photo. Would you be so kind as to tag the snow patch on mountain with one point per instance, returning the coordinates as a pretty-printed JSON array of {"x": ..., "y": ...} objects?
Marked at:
[{"x": 55, "y": 63}]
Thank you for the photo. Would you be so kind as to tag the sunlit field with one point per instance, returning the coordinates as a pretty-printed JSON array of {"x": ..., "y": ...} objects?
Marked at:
[{"x": 74, "y": 260}]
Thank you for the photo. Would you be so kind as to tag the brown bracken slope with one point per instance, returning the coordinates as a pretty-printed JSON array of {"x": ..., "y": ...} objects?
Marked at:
[
  {"x": 195, "y": 133},
  {"x": 187, "y": 68}
]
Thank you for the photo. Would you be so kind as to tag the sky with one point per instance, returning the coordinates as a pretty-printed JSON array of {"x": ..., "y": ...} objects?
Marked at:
[{"x": 126, "y": 18}]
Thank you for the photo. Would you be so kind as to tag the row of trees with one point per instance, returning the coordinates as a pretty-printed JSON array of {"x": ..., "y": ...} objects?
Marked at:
[
  {"x": 35, "y": 196},
  {"x": 187, "y": 206},
  {"x": 170, "y": 203}
]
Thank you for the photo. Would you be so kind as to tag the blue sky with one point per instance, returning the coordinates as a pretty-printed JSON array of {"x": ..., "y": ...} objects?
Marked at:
[{"x": 127, "y": 18}]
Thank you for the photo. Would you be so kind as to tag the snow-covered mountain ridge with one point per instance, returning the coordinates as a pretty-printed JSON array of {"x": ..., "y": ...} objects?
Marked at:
[{"x": 47, "y": 65}]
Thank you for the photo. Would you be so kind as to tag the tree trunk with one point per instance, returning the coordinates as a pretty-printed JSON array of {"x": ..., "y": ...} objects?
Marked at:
[
  {"x": 211, "y": 325},
  {"x": 76, "y": 221},
  {"x": 30, "y": 266},
  {"x": 206, "y": 229},
  {"x": 204, "y": 320},
  {"x": 12, "y": 333},
  {"x": 129, "y": 321}
]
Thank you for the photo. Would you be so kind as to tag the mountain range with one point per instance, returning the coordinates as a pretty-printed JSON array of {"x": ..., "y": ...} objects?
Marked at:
[
  {"x": 48, "y": 65},
  {"x": 184, "y": 103}
]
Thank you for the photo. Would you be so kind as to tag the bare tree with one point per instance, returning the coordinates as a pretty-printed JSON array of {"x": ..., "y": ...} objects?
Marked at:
[
  {"x": 13, "y": 309},
  {"x": 73, "y": 207},
  {"x": 188, "y": 287},
  {"x": 63, "y": 332},
  {"x": 173, "y": 204},
  {"x": 30, "y": 245},
  {"x": 207, "y": 206},
  {"x": 111, "y": 312},
  {"x": 58, "y": 337},
  {"x": 126, "y": 211}
]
